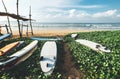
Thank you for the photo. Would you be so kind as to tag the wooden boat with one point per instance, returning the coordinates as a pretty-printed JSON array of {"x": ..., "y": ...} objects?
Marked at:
[
  {"x": 9, "y": 47},
  {"x": 18, "y": 57}
]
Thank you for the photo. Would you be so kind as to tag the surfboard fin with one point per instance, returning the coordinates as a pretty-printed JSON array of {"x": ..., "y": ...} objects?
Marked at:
[
  {"x": 41, "y": 58},
  {"x": 49, "y": 65}
]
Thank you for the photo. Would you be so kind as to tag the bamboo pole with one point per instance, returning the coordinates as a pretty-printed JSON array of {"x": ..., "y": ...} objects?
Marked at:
[
  {"x": 7, "y": 17},
  {"x": 18, "y": 20},
  {"x": 7, "y": 28},
  {"x": 30, "y": 21},
  {"x": 22, "y": 28}
]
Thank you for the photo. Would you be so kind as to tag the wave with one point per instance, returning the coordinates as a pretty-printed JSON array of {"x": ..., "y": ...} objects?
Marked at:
[{"x": 77, "y": 26}]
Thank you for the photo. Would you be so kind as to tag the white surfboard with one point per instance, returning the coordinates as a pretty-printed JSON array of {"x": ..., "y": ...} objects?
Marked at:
[
  {"x": 48, "y": 57},
  {"x": 19, "y": 56},
  {"x": 74, "y": 35},
  {"x": 93, "y": 45}
]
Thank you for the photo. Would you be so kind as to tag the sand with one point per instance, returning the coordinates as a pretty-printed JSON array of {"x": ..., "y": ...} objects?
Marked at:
[
  {"x": 56, "y": 32},
  {"x": 45, "y": 33}
]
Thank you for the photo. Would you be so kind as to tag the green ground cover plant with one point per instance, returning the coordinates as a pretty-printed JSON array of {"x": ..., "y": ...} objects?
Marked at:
[
  {"x": 94, "y": 65},
  {"x": 97, "y": 65},
  {"x": 30, "y": 68}
]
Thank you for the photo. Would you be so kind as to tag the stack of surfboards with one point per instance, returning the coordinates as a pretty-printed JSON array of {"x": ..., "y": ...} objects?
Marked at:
[
  {"x": 9, "y": 47},
  {"x": 18, "y": 57},
  {"x": 48, "y": 57},
  {"x": 4, "y": 36},
  {"x": 93, "y": 45}
]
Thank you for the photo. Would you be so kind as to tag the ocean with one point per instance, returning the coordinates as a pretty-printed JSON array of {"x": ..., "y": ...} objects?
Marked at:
[{"x": 67, "y": 26}]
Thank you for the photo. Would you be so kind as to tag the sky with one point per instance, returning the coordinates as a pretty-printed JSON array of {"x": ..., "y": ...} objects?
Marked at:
[{"x": 66, "y": 11}]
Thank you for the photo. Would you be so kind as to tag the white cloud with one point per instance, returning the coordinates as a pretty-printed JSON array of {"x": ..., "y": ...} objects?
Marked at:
[
  {"x": 105, "y": 14},
  {"x": 57, "y": 15},
  {"x": 75, "y": 15},
  {"x": 61, "y": 11},
  {"x": 91, "y": 6},
  {"x": 72, "y": 13},
  {"x": 118, "y": 15},
  {"x": 78, "y": 13},
  {"x": 82, "y": 15},
  {"x": 48, "y": 16},
  {"x": 56, "y": 10},
  {"x": 81, "y": 6}
]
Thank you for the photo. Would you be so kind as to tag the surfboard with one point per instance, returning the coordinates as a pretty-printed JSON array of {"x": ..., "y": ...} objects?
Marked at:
[
  {"x": 93, "y": 45},
  {"x": 4, "y": 36},
  {"x": 48, "y": 57},
  {"x": 74, "y": 35},
  {"x": 9, "y": 47},
  {"x": 19, "y": 56},
  {"x": 45, "y": 39}
]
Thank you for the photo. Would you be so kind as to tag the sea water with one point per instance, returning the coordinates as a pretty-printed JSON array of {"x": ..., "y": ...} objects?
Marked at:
[
  {"x": 78, "y": 26},
  {"x": 67, "y": 26}
]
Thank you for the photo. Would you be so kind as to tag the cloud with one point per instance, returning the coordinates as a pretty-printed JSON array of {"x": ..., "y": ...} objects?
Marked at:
[
  {"x": 78, "y": 13},
  {"x": 57, "y": 15},
  {"x": 118, "y": 15},
  {"x": 75, "y": 15},
  {"x": 72, "y": 13},
  {"x": 83, "y": 14},
  {"x": 105, "y": 14},
  {"x": 81, "y": 6},
  {"x": 63, "y": 11},
  {"x": 91, "y": 6}
]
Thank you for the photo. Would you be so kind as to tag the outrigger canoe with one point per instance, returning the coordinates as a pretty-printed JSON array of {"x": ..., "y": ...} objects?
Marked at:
[
  {"x": 4, "y": 36},
  {"x": 48, "y": 57},
  {"x": 19, "y": 56},
  {"x": 9, "y": 47},
  {"x": 93, "y": 45}
]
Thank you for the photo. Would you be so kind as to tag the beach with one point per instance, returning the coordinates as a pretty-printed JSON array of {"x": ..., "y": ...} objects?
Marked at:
[
  {"x": 59, "y": 39},
  {"x": 62, "y": 29},
  {"x": 47, "y": 33},
  {"x": 56, "y": 32}
]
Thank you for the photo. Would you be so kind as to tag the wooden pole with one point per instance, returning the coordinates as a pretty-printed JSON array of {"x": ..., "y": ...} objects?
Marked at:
[
  {"x": 27, "y": 31},
  {"x": 18, "y": 20},
  {"x": 7, "y": 28},
  {"x": 7, "y": 17},
  {"x": 22, "y": 28},
  {"x": 30, "y": 21}
]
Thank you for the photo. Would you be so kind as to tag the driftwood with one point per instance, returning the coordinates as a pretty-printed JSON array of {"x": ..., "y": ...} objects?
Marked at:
[{"x": 13, "y": 16}]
